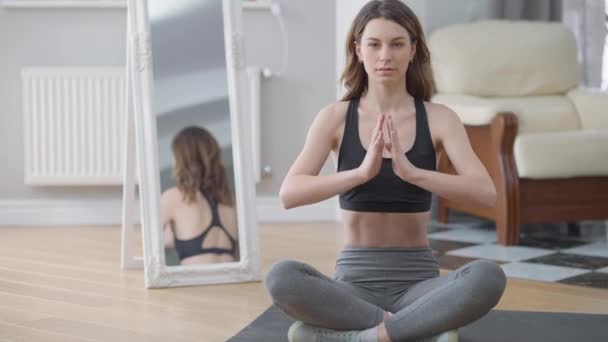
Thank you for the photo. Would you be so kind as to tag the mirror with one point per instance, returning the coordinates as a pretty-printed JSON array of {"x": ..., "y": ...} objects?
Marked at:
[
  {"x": 197, "y": 192},
  {"x": 193, "y": 132}
]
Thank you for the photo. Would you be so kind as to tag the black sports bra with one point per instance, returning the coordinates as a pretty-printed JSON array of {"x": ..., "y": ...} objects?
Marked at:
[
  {"x": 192, "y": 247},
  {"x": 386, "y": 192}
]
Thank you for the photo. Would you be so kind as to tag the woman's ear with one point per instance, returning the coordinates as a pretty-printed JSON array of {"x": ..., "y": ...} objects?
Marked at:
[{"x": 358, "y": 51}]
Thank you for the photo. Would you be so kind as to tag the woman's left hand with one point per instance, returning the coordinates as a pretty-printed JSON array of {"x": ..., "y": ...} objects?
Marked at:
[{"x": 402, "y": 166}]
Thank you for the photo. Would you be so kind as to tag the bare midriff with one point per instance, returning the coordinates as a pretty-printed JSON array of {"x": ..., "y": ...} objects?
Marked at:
[{"x": 371, "y": 229}]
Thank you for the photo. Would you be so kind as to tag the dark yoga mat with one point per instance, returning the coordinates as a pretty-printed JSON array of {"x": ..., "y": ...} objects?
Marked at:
[{"x": 496, "y": 326}]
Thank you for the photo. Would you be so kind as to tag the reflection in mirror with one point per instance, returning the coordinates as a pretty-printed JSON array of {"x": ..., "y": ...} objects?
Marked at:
[{"x": 198, "y": 211}]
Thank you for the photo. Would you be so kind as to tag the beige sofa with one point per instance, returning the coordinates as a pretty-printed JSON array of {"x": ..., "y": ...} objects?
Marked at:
[{"x": 543, "y": 138}]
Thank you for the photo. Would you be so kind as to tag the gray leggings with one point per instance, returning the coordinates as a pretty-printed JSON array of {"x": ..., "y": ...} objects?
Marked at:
[{"x": 403, "y": 281}]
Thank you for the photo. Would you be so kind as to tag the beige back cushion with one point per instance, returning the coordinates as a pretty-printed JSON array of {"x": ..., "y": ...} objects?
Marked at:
[{"x": 504, "y": 58}]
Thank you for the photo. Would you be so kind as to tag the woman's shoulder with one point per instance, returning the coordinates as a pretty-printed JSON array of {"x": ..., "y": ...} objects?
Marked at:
[
  {"x": 441, "y": 117},
  {"x": 339, "y": 106},
  {"x": 228, "y": 216},
  {"x": 172, "y": 194},
  {"x": 172, "y": 191},
  {"x": 170, "y": 199},
  {"x": 438, "y": 111},
  {"x": 333, "y": 112}
]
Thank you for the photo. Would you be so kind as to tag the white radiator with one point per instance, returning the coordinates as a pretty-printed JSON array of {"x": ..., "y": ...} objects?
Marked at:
[{"x": 73, "y": 125}]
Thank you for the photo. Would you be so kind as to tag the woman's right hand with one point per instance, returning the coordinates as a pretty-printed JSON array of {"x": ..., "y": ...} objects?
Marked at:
[{"x": 372, "y": 162}]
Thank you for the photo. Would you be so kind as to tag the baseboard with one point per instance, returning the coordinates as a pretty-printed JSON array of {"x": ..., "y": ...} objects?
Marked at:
[
  {"x": 62, "y": 212},
  {"x": 109, "y": 212}
]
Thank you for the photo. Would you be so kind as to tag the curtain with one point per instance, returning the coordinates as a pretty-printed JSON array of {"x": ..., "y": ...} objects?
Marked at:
[
  {"x": 544, "y": 10},
  {"x": 585, "y": 18}
]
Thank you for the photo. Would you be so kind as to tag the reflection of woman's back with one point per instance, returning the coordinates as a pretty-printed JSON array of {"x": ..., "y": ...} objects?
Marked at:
[
  {"x": 198, "y": 214},
  {"x": 204, "y": 231}
]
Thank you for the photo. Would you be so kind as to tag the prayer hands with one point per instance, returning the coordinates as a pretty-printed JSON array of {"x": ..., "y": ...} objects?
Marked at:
[
  {"x": 372, "y": 162},
  {"x": 402, "y": 167}
]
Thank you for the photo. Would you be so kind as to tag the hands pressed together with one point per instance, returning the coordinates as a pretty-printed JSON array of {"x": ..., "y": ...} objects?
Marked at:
[{"x": 372, "y": 162}]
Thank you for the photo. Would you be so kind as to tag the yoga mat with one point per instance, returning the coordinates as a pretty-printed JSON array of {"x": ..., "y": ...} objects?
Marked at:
[{"x": 496, "y": 326}]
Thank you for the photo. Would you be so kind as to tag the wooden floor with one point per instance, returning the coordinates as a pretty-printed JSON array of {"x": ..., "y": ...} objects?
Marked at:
[{"x": 65, "y": 284}]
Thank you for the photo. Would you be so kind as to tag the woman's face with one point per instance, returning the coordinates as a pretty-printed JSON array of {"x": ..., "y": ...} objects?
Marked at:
[{"x": 385, "y": 49}]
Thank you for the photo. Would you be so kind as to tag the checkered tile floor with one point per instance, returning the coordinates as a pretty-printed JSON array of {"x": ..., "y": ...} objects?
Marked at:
[{"x": 545, "y": 253}]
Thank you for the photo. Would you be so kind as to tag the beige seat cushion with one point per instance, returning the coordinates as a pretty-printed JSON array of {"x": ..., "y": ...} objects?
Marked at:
[
  {"x": 534, "y": 114},
  {"x": 504, "y": 58},
  {"x": 562, "y": 154},
  {"x": 592, "y": 106}
]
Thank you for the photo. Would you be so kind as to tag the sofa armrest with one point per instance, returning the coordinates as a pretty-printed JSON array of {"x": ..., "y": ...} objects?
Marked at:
[
  {"x": 493, "y": 144},
  {"x": 471, "y": 110},
  {"x": 592, "y": 107},
  {"x": 476, "y": 115}
]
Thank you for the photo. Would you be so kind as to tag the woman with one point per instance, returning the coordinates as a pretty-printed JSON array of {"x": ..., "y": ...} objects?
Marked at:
[
  {"x": 386, "y": 285},
  {"x": 199, "y": 217}
]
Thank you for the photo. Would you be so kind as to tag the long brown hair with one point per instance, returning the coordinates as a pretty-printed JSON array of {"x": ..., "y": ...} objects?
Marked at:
[
  {"x": 419, "y": 77},
  {"x": 199, "y": 165}
]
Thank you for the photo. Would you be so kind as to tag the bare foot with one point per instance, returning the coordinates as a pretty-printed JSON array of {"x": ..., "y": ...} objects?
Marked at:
[{"x": 382, "y": 334}]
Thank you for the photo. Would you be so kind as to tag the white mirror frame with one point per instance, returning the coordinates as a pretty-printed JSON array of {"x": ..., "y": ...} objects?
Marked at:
[{"x": 157, "y": 273}]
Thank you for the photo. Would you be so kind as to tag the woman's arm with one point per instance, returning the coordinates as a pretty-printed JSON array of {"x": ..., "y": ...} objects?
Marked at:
[
  {"x": 472, "y": 183},
  {"x": 303, "y": 185},
  {"x": 166, "y": 217}
]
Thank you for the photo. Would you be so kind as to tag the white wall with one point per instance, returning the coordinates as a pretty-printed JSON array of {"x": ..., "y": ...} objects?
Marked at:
[
  {"x": 49, "y": 37},
  {"x": 346, "y": 10},
  {"x": 96, "y": 37},
  {"x": 291, "y": 102}
]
